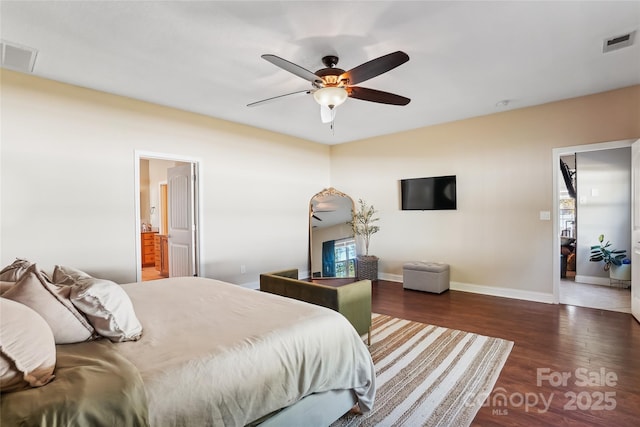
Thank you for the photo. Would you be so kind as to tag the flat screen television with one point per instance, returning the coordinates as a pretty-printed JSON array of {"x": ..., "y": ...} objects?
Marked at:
[{"x": 434, "y": 193}]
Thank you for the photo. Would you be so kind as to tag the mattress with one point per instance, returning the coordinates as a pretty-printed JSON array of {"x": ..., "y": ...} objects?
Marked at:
[{"x": 213, "y": 353}]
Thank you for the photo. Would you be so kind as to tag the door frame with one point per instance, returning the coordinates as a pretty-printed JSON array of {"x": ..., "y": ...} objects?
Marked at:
[
  {"x": 556, "y": 154},
  {"x": 197, "y": 206},
  {"x": 635, "y": 225}
]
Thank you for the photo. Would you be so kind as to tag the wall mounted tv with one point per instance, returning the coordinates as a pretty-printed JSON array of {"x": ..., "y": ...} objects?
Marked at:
[{"x": 434, "y": 193}]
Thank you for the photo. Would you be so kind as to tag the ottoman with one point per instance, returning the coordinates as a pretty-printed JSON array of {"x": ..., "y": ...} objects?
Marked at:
[{"x": 426, "y": 276}]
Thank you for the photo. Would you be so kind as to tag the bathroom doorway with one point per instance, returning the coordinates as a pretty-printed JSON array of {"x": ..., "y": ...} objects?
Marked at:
[{"x": 167, "y": 216}]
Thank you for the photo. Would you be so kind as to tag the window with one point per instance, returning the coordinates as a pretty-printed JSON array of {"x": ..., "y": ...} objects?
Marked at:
[{"x": 345, "y": 252}]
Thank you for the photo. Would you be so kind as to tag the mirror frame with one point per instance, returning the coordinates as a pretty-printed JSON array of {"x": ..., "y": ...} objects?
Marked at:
[{"x": 326, "y": 192}]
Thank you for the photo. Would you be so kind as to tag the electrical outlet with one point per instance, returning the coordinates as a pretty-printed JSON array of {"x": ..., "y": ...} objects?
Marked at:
[{"x": 243, "y": 269}]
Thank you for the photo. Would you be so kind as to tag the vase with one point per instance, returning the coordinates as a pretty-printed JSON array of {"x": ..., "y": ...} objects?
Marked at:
[{"x": 367, "y": 267}]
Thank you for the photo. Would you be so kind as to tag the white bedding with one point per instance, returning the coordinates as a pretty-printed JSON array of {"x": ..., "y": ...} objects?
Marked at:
[{"x": 214, "y": 353}]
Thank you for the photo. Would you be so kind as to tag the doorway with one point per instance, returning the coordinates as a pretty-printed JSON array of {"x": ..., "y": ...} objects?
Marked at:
[
  {"x": 572, "y": 271},
  {"x": 167, "y": 232}
]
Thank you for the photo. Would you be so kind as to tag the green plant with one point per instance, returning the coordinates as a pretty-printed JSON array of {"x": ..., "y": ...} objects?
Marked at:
[
  {"x": 361, "y": 223},
  {"x": 602, "y": 252}
]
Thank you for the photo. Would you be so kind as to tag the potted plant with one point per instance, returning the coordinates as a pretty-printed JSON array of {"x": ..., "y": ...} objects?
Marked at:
[
  {"x": 611, "y": 257},
  {"x": 362, "y": 226}
]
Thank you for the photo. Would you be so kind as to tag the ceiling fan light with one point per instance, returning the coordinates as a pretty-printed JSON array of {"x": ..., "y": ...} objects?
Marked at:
[{"x": 330, "y": 96}]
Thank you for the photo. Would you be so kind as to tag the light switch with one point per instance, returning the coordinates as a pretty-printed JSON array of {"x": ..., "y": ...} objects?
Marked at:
[
  {"x": 595, "y": 192},
  {"x": 545, "y": 216}
]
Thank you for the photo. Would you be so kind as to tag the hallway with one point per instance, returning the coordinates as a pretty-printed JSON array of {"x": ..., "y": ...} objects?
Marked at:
[{"x": 613, "y": 298}]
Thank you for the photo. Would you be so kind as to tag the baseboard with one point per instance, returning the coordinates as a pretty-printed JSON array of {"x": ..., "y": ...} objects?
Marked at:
[
  {"x": 390, "y": 277},
  {"x": 250, "y": 285},
  {"x": 593, "y": 280},
  {"x": 303, "y": 275},
  {"x": 476, "y": 289},
  {"x": 485, "y": 290},
  {"x": 503, "y": 292}
]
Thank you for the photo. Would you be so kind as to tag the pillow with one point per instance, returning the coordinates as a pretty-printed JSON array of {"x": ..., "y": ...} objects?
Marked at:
[
  {"x": 53, "y": 304},
  {"x": 5, "y": 286},
  {"x": 14, "y": 271},
  {"x": 106, "y": 305},
  {"x": 27, "y": 348},
  {"x": 63, "y": 275}
]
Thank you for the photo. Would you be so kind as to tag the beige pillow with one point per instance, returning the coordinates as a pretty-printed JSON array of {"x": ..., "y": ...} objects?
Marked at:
[
  {"x": 53, "y": 304},
  {"x": 63, "y": 275},
  {"x": 5, "y": 286},
  {"x": 27, "y": 348},
  {"x": 15, "y": 270},
  {"x": 106, "y": 305}
]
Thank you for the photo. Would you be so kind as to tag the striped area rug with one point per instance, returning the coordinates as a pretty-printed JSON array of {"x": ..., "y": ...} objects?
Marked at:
[{"x": 428, "y": 375}]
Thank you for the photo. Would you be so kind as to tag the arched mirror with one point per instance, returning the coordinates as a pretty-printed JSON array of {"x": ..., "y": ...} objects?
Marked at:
[{"x": 332, "y": 247}]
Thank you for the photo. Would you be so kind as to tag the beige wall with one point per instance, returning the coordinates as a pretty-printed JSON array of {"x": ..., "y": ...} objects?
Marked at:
[
  {"x": 503, "y": 164},
  {"x": 68, "y": 184}
]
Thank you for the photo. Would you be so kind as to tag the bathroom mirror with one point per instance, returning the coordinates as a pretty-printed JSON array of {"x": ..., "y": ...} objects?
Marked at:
[{"x": 332, "y": 247}]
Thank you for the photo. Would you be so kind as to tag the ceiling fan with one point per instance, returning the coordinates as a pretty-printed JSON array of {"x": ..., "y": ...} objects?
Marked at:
[
  {"x": 316, "y": 208},
  {"x": 331, "y": 86}
]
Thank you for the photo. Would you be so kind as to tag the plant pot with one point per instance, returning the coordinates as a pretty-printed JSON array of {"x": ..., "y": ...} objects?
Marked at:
[
  {"x": 620, "y": 272},
  {"x": 367, "y": 267}
]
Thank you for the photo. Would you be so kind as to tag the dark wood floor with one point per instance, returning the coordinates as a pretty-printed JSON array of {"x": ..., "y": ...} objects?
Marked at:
[{"x": 592, "y": 346}]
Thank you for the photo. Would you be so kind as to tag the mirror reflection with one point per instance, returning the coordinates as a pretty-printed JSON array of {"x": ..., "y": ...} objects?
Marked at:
[{"x": 332, "y": 247}]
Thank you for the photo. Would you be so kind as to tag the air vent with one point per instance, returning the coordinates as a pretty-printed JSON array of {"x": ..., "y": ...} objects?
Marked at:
[
  {"x": 17, "y": 58},
  {"x": 618, "y": 42}
]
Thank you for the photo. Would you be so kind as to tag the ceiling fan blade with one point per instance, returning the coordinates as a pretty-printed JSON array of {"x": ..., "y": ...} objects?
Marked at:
[
  {"x": 375, "y": 67},
  {"x": 327, "y": 115},
  {"x": 377, "y": 96},
  {"x": 292, "y": 68},
  {"x": 273, "y": 98},
  {"x": 316, "y": 217}
]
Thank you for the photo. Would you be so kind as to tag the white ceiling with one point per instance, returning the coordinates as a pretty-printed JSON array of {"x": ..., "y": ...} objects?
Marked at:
[{"x": 204, "y": 57}]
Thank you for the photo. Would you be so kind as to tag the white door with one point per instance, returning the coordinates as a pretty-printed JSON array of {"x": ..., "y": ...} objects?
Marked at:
[
  {"x": 181, "y": 220},
  {"x": 635, "y": 230}
]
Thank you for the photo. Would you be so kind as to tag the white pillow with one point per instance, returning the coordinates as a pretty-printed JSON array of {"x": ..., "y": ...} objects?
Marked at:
[
  {"x": 53, "y": 304},
  {"x": 106, "y": 305},
  {"x": 27, "y": 348}
]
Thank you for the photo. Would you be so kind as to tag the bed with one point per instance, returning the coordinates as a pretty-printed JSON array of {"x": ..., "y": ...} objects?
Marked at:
[{"x": 211, "y": 353}]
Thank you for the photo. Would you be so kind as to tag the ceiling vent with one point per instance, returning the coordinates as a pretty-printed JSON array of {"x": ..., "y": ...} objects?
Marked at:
[
  {"x": 618, "y": 42},
  {"x": 17, "y": 58}
]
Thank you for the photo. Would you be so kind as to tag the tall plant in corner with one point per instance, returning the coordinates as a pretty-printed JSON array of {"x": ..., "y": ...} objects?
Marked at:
[{"x": 362, "y": 223}]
